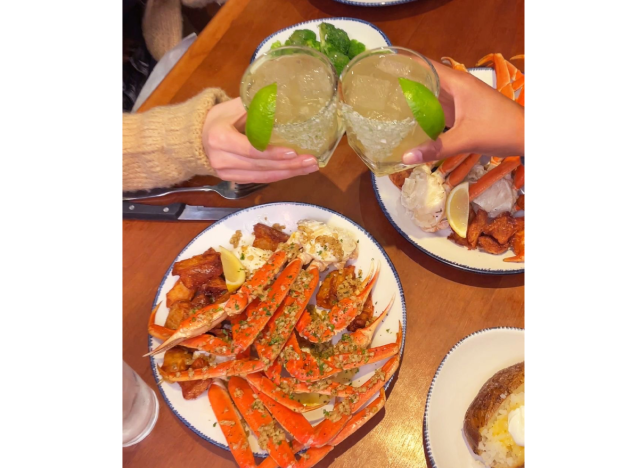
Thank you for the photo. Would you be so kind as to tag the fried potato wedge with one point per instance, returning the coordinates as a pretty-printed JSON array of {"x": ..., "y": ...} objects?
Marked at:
[
  {"x": 179, "y": 292},
  {"x": 199, "y": 269},
  {"x": 268, "y": 238}
]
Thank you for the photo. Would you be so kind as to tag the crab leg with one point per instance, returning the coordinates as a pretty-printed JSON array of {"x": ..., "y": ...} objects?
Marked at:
[
  {"x": 267, "y": 387},
  {"x": 327, "y": 430},
  {"x": 270, "y": 342},
  {"x": 307, "y": 368},
  {"x": 274, "y": 372},
  {"x": 461, "y": 171},
  {"x": 518, "y": 76},
  {"x": 296, "y": 424},
  {"x": 339, "y": 317},
  {"x": 354, "y": 423},
  {"x": 503, "y": 85},
  {"x": 521, "y": 98},
  {"x": 362, "y": 337},
  {"x": 450, "y": 164},
  {"x": 360, "y": 419},
  {"x": 519, "y": 178},
  {"x": 254, "y": 287},
  {"x": 455, "y": 65},
  {"x": 158, "y": 331},
  {"x": 257, "y": 316},
  {"x": 308, "y": 459},
  {"x": 270, "y": 436},
  {"x": 231, "y": 424},
  {"x": 209, "y": 343},
  {"x": 301, "y": 429},
  {"x": 203, "y": 320},
  {"x": 488, "y": 179},
  {"x": 290, "y": 385},
  {"x": 223, "y": 369}
]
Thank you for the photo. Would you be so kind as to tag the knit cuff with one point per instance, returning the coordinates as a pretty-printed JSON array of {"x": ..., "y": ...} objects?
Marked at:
[{"x": 163, "y": 146}]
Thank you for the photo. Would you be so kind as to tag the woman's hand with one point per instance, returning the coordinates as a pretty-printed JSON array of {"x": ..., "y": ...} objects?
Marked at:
[
  {"x": 234, "y": 159},
  {"x": 481, "y": 120}
]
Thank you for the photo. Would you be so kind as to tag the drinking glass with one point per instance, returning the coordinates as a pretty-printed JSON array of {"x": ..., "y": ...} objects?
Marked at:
[
  {"x": 306, "y": 114},
  {"x": 140, "y": 407},
  {"x": 379, "y": 124}
]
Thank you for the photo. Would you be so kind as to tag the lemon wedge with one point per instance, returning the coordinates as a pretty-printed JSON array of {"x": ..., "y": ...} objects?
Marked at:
[
  {"x": 233, "y": 270},
  {"x": 457, "y": 209}
]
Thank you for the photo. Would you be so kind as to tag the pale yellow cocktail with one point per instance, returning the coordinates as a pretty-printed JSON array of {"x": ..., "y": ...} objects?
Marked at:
[
  {"x": 379, "y": 123},
  {"x": 306, "y": 116}
]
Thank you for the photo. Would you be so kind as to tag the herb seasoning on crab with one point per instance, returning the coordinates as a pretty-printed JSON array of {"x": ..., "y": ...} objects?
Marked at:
[{"x": 255, "y": 330}]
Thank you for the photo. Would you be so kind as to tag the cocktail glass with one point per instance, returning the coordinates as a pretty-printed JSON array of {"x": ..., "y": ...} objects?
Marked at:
[
  {"x": 379, "y": 124},
  {"x": 306, "y": 114}
]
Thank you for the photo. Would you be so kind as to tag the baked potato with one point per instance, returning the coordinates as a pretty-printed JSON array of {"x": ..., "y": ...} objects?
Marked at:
[{"x": 487, "y": 424}]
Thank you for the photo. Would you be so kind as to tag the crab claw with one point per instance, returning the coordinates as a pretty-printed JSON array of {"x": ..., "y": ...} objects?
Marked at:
[
  {"x": 338, "y": 318},
  {"x": 200, "y": 323}
]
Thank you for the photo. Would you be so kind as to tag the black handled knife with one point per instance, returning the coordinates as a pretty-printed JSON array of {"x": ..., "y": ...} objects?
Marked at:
[{"x": 174, "y": 212}]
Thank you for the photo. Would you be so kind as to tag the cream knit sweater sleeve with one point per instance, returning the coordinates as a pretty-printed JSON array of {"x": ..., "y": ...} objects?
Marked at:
[{"x": 163, "y": 146}]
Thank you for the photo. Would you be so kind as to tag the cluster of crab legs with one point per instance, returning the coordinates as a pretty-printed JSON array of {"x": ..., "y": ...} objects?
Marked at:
[{"x": 264, "y": 314}]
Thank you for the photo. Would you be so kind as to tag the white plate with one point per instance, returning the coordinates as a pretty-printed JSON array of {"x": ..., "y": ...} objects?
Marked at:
[
  {"x": 373, "y": 3},
  {"x": 366, "y": 33},
  {"x": 436, "y": 244},
  {"x": 460, "y": 376},
  {"x": 197, "y": 414}
]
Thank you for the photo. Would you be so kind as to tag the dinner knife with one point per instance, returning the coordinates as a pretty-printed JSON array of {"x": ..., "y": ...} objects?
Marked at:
[{"x": 174, "y": 212}]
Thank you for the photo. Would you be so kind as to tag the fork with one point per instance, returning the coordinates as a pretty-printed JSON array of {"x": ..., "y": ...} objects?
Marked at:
[{"x": 228, "y": 190}]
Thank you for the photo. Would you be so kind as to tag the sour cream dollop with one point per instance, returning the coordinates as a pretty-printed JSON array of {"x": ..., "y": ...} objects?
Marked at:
[{"x": 516, "y": 425}]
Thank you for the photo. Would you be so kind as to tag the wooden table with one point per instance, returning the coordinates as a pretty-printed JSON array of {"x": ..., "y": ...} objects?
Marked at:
[{"x": 444, "y": 304}]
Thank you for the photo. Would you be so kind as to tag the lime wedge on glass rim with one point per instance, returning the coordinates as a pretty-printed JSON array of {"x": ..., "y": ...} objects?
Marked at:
[
  {"x": 261, "y": 117},
  {"x": 425, "y": 107}
]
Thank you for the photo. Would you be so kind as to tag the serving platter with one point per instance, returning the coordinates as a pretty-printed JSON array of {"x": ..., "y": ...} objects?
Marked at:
[
  {"x": 367, "y": 33},
  {"x": 459, "y": 377},
  {"x": 197, "y": 414},
  {"x": 436, "y": 244}
]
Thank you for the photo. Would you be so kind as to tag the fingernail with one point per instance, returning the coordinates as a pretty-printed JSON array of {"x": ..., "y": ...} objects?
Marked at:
[
  {"x": 309, "y": 169},
  {"x": 290, "y": 154},
  {"x": 412, "y": 157},
  {"x": 309, "y": 162}
]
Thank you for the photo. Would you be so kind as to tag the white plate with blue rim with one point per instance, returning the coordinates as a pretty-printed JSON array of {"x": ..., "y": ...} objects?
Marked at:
[
  {"x": 366, "y": 33},
  {"x": 197, "y": 414},
  {"x": 436, "y": 244},
  {"x": 373, "y": 3},
  {"x": 459, "y": 377}
]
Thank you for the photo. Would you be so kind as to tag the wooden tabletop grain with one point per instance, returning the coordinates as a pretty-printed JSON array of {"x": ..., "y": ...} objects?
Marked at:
[{"x": 444, "y": 304}]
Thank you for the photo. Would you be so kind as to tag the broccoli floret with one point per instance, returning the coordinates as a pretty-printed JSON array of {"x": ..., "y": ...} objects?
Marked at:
[
  {"x": 314, "y": 43},
  {"x": 333, "y": 39},
  {"x": 355, "y": 48},
  {"x": 303, "y": 37},
  {"x": 300, "y": 37},
  {"x": 338, "y": 60},
  {"x": 276, "y": 44}
]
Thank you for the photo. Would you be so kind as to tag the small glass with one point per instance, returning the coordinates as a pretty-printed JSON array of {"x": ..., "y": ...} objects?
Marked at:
[
  {"x": 140, "y": 407},
  {"x": 379, "y": 124},
  {"x": 306, "y": 114}
]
